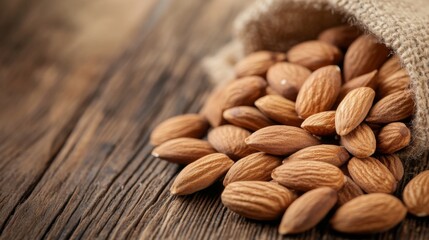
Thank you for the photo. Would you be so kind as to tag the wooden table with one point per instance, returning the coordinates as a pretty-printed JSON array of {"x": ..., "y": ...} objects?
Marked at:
[{"x": 82, "y": 83}]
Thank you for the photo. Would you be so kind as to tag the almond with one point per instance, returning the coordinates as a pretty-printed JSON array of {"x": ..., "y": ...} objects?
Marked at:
[
  {"x": 320, "y": 124},
  {"x": 389, "y": 67},
  {"x": 366, "y": 80},
  {"x": 314, "y": 54},
  {"x": 394, "y": 164},
  {"x": 319, "y": 91},
  {"x": 350, "y": 191},
  {"x": 270, "y": 91},
  {"x": 371, "y": 175},
  {"x": 257, "y": 200},
  {"x": 307, "y": 175},
  {"x": 287, "y": 78},
  {"x": 364, "y": 55},
  {"x": 333, "y": 154},
  {"x": 257, "y": 63},
  {"x": 353, "y": 109},
  {"x": 396, "y": 82},
  {"x": 247, "y": 117},
  {"x": 243, "y": 91},
  {"x": 201, "y": 174},
  {"x": 229, "y": 139},
  {"x": 416, "y": 195},
  {"x": 360, "y": 142},
  {"x": 340, "y": 36},
  {"x": 371, "y": 213},
  {"x": 279, "y": 109},
  {"x": 393, "y": 137},
  {"x": 308, "y": 210},
  {"x": 394, "y": 107},
  {"x": 281, "y": 140},
  {"x": 212, "y": 110},
  {"x": 255, "y": 167},
  {"x": 183, "y": 150},
  {"x": 187, "y": 125}
]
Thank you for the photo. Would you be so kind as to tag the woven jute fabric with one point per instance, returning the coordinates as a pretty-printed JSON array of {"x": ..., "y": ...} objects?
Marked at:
[{"x": 403, "y": 25}]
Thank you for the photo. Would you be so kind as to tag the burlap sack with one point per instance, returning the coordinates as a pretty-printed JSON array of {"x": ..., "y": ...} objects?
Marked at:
[{"x": 403, "y": 25}]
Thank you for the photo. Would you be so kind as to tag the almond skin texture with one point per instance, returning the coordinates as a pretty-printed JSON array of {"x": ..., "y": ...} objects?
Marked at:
[
  {"x": 281, "y": 140},
  {"x": 394, "y": 107},
  {"x": 416, "y": 195},
  {"x": 371, "y": 213},
  {"x": 314, "y": 54},
  {"x": 389, "y": 67},
  {"x": 243, "y": 91},
  {"x": 320, "y": 124},
  {"x": 371, "y": 175},
  {"x": 332, "y": 154},
  {"x": 394, "y": 164},
  {"x": 187, "y": 125},
  {"x": 257, "y": 200},
  {"x": 396, "y": 82},
  {"x": 247, "y": 117},
  {"x": 319, "y": 92},
  {"x": 307, "y": 175},
  {"x": 201, "y": 174},
  {"x": 360, "y": 142},
  {"x": 393, "y": 137},
  {"x": 308, "y": 210},
  {"x": 257, "y": 63},
  {"x": 255, "y": 167},
  {"x": 212, "y": 109},
  {"x": 229, "y": 139},
  {"x": 350, "y": 191},
  {"x": 366, "y": 80},
  {"x": 287, "y": 78},
  {"x": 279, "y": 109},
  {"x": 353, "y": 109},
  {"x": 183, "y": 150},
  {"x": 364, "y": 55}
]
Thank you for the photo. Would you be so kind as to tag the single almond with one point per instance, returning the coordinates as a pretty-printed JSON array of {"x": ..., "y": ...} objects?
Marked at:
[
  {"x": 242, "y": 92},
  {"x": 396, "y": 82},
  {"x": 360, "y": 142},
  {"x": 350, "y": 191},
  {"x": 281, "y": 140},
  {"x": 389, "y": 67},
  {"x": 270, "y": 91},
  {"x": 247, "y": 117},
  {"x": 279, "y": 109},
  {"x": 183, "y": 150},
  {"x": 333, "y": 154},
  {"x": 257, "y": 199},
  {"x": 308, "y": 210},
  {"x": 229, "y": 139},
  {"x": 366, "y": 80},
  {"x": 371, "y": 175},
  {"x": 255, "y": 167},
  {"x": 416, "y": 195},
  {"x": 257, "y": 63},
  {"x": 320, "y": 124},
  {"x": 212, "y": 109},
  {"x": 394, "y": 107},
  {"x": 340, "y": 36},
  {"x": 187, "y": 125},
  {"x": 201, "y": 174},
  {"x": 393, "y": 137},
  {"x": 319, "y": 91},
  {"x": 307, "y": 175},
  {"x": 394, "y": 164},
  {"x": 370, "y": 213}
]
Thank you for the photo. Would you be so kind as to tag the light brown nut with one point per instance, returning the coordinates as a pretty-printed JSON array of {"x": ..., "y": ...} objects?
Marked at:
[
  {"x": 333, "y": 154},
  {"x": 320, "y": 124},
  {"x": 281, "y": 140},
  {"x": 229, "y": 139},
  {"x": 340, "y": 36},
  {"x": 307, "y": 175},
  {"x": 319, "y": 91},
  {"x": 287, "y": 78},
  {"x": 183, "y": 150},
  {"x": 370, "y": 213},
  {"x": 371, "y": 175},
  {"x": 247, "y": 117},
  {"x": 389, "y": 67},
  {"x": 201, "y": 174},
  {"x": 270, "y": 91},
  {"x": 257, "y": 63},
  {"x": 242, "y": 92},
  {"x": 212, "y": 109},
  {"x": 308, "y": 210},
  {"x": 314, "y": 54},
  {"x": 364, "y": 55},
  {"x": 394, "y": 164},
  {"x": 279, "y": 109},
  {"x": 416, "y": 195},
  {"x": 366, "y": 80},
  {"x": 396, "y": 82},
  {"x": 350, "y": 191},
  {"x": 394, "y": 107},
  {"x": 187, "y": 125},
  {"x": 255, "y": 167},
  {"x": 257, "y": 200},
  {"x": 353, "y": 109},
  {"x": 360, "y": 142},
  {"x": 393, "y": 137}
]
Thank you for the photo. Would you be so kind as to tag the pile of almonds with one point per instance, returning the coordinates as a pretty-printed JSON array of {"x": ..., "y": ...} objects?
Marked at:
[{"x": 297, "y": 135}]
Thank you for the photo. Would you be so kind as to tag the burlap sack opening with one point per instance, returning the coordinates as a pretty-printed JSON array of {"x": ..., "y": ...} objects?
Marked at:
[{"x": 403, "y": 25}]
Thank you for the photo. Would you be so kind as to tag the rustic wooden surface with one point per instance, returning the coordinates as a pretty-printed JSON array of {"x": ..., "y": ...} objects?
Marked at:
[{"x": 82, "y": 83}]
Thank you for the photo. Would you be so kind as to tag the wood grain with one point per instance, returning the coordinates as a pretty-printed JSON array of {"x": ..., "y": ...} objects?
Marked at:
[{"x": 82, "y": 83}]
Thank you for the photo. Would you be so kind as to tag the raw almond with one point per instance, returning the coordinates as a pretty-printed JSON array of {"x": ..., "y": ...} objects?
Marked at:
[
  {"x": 201, "y": 174},
  {"x": 246, "y": 117},
  {"x": 366, "y": 80},
  {"x": 393, "y": 137},
  {"x": 370, "y": 213},
  {"x": 308, "y": 210},
  {"x": 307, "y": 175},
  {"x": 394, "y": 164},
  {"x": 279, "y": 109},
  {"x": 353, "y": 109},
  {"x": 255, "y": 167},
  {"x": 183, "y": 150},
  {"x": 371, "y": 175},
  {"x": 350, "y": 191},
  {"x": 212, "y": 109},
  {"x": 320, "y": 124},
  {"x": 314, "y": 54},
  {"x": 396, "y": 82},
  {"x": 319, "y": 91},
  {"x": 389, "y": 67},
  {"x": 257, "y": 63},
  {"x": 280, "y": 139},
  {"x": 243, "y": 91},
  {"x": 257, "y": 200},
  {"x": 394, "y": 107},
  {"x": 270, "y": 91},
  {"x": 229, "y": 139},
  {"x": 333, "y": 154},
  {"x": 360, "y": 142},
  {"x": 416, "y": 195},
  {"x": 340, "y": 36},
  {"x": 187, "y": 125}
]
